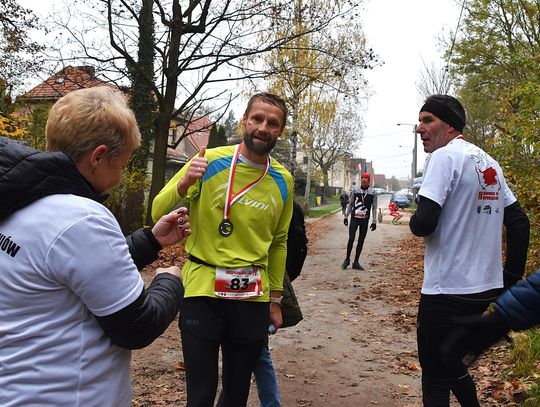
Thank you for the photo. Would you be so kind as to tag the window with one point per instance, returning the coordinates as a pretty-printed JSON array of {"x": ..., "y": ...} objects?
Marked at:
[{"x": 172, "y": 134}]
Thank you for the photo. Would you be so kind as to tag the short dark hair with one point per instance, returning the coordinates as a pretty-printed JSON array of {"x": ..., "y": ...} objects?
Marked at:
[
  {"x": 448, "y": 107},
  {"x": 267, "y": 97}
]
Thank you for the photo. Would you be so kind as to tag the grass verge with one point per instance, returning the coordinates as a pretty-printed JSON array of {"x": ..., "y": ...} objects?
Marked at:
[
  {"x": 318, "y": 212},
  {"x": 526, "y": 365}
]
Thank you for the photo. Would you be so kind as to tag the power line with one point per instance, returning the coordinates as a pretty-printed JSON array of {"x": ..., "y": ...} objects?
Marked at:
[
  {"x": 385, "y": 134},
  {"x": 387, "y": 157},
  {"x": 453, "y": 42}
]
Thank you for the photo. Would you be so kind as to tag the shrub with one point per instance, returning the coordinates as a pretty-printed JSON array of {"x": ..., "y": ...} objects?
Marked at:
[{"x": 125, "y": 200}]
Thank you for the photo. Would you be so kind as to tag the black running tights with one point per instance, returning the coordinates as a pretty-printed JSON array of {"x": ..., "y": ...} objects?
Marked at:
[
  {"x": 201, "y": 362},
  {"x": 361, "y": 224}
]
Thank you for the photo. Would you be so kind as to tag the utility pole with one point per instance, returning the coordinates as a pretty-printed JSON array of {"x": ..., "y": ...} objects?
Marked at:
[
  {"x": 415, "y": 151},
  {"x": 414, "y": 163}
]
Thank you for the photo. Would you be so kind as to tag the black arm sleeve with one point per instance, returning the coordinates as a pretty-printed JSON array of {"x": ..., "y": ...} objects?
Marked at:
[
  {"x": 426, "y": 218},
  {"x": 517, "y": 243},
  {"x": 142, "y": 321},
  {"x": 143, "y": 247}
]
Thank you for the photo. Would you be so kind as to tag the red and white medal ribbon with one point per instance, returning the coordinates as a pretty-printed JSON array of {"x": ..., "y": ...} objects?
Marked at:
[{"x": 226, "y": 225}]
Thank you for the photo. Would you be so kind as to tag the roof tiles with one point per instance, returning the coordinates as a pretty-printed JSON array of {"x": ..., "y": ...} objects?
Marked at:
[{"x": 67, "y": 80}]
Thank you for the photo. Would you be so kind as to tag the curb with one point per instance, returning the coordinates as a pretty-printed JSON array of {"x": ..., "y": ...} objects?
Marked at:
[{"x": 313, "y": 220}]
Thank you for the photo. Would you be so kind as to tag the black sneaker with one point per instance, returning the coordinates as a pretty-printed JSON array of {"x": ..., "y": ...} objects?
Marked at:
[
  {"x": 357, "y": 266},
  {"x": 345, "y": 264}
]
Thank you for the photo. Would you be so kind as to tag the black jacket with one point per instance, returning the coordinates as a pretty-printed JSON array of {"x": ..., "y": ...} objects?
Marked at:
[{"x": 27, "y": 175}]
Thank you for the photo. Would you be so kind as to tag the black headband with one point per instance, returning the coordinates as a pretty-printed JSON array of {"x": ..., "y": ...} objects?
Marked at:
[{"x": 444, "y": 113}]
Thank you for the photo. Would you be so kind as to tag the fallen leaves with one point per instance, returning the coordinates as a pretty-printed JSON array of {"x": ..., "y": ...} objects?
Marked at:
[{"x": 405, "y": 263}]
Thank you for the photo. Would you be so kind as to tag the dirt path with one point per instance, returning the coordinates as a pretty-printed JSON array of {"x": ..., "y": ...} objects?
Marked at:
[{"x": 354, "y": 346}]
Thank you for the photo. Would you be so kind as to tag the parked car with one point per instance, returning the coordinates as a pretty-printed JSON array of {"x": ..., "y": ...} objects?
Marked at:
[
  {"x": 401, "y": 200},
  {"x": 407, "y": 192}
]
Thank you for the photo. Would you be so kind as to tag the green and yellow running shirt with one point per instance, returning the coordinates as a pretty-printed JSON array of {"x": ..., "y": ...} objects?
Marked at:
[{"x": 260, "y": 218}]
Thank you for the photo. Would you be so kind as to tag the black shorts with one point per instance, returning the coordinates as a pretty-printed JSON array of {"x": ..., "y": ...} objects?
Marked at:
[{"x": 225, "y": 320}]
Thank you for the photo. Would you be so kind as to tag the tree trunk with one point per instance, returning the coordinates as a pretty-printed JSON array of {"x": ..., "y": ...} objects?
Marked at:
[
  {"x": 166, "y": 109},
  {"x": 143, "y": 106},
  {"x": 294, "y": 135},
  {"x": 325, "y": 183},
  {"x": 160, "y": 160},
  {"x": 308, "y": 180}
]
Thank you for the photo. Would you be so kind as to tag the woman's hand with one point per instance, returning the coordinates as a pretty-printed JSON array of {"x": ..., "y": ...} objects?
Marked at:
[{"x": 172, "y": 228}]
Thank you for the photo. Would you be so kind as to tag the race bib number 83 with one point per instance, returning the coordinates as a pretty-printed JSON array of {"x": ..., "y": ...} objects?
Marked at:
[{"x": 238, "y": 283}]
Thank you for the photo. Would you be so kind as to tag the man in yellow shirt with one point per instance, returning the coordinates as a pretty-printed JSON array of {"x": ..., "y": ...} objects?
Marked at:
[{"x": 241, "y": 204}]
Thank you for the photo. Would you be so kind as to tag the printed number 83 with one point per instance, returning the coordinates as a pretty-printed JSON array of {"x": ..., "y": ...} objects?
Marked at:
[{"x": 239, "y": 284}]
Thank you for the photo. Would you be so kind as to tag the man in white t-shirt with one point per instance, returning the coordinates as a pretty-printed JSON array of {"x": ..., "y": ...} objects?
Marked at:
[{"x": 463, "y": 203}]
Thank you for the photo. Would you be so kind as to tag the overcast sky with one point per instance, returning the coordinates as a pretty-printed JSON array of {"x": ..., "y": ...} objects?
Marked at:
[{"x": 403, "y": 33}]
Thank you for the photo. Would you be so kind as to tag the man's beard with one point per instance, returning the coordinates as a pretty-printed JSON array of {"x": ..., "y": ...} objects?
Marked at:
[{"x": 259, "y": 149}]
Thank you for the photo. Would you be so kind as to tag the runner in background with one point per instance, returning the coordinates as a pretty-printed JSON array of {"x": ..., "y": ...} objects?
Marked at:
[
  {"x": 394, "y": 211},
  {"x": 361, "y": 201}
]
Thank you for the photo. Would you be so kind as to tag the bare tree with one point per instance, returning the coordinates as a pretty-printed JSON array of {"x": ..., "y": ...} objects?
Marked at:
[
  {"x": 331, "y": 59},
  {"x": 197, "y": 44},
  {"x": 434, "y": 79},
  {"x": 343, "y": 135}
]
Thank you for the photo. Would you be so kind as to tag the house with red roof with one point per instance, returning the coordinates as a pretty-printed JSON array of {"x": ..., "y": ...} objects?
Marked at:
[
  {"x": 72, "y": 78},
  {"x": 61, "y": 83},
  {"x": 180, "y": 151}
]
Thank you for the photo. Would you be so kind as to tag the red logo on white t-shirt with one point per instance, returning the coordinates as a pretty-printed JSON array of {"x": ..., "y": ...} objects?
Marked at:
[{"x": 487, "y": 177}]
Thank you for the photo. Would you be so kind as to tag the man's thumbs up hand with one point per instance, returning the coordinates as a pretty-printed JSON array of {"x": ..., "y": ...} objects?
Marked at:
[
  {"x": 197, "y": 168},
  {"x": 198, "y": 165}
]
